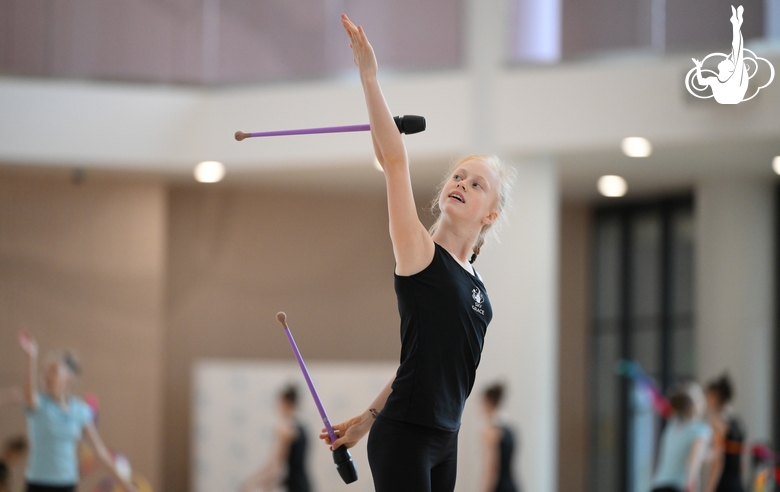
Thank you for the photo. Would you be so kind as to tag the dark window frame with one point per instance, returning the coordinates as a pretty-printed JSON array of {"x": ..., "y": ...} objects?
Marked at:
[{"x": 625, "y": 212}]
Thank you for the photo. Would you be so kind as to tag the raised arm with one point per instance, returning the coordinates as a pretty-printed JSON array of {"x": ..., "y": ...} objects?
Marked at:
[
  {"x": 412, "y": 245},
  {"x": 701, "y": 80},
  {"x": 93, "y": 437},
  {"x": 351, "y": 431},
  {"x": 30, "y": 348}
]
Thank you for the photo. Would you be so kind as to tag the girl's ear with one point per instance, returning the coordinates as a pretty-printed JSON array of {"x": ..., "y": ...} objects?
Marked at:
[{"x": 490, "y": 218}]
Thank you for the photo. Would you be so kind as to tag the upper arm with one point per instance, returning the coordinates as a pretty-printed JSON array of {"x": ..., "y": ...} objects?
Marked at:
[
  {"x": 284, "y": 437},
  {"x": 31, "y": 401},
  {"x": 413, "y": 247},
  {"x": 490, "y": 440}
]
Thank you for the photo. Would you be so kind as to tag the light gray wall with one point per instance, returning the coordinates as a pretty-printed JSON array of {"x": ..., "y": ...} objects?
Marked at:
[{"x": 734, "y": 293}]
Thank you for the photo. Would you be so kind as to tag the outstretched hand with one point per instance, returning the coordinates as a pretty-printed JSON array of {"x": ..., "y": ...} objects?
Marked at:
[
  {"x": 28, "y": 344},
  {"x": 349, "y": 432},
  {"x": 362, "y": 51}
]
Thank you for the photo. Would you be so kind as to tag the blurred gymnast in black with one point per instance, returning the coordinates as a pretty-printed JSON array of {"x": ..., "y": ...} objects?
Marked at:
[
  {"x": 725, "y": 470},
  {"x": 499, "y": 444},
  {"x": 287, "y": 466}
]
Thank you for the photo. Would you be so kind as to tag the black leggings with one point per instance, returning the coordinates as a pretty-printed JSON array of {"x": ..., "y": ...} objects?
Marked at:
[
  {"x": 412, "y": 458},
  {"x": 31, "y": 487}
]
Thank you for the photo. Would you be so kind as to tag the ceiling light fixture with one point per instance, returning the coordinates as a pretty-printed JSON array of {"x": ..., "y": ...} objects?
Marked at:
[
  {"x": 209, "y": 172},
  {"x": 612, "y": 186},
  {"x": 636, "y": 147}
]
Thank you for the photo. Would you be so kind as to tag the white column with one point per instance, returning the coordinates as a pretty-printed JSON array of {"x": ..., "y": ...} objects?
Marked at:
[
  {"x": 520, "y": 273},
  {"x": 521, "y": 348},
  {"x": 734, "y": 282}
]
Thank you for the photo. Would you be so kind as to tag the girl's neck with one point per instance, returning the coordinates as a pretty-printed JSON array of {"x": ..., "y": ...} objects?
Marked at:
[
  {"x": 60, "y": 399},
  {"x": 458, "y": 243}
]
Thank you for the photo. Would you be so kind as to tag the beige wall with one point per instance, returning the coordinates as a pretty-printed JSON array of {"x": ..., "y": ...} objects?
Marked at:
[
  {"x": 574, "y": 342},
  {"x": 144, "y": 280},
  {"x": 83, "y": 267},
  {"x": 237, "y": 257}
]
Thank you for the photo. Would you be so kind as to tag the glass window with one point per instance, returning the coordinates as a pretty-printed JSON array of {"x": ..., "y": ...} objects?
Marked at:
[{"x": 642, "y": 313}]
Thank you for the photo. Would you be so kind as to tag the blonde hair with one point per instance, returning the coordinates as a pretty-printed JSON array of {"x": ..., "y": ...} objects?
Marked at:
[
  {"x": 67, "y": 359},
  {"x": 506, "y": 175}
]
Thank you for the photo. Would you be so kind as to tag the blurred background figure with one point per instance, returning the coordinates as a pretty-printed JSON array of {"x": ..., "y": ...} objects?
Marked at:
[
  {"x": 287, "y": 466},
  {"x": 13, "y": 452},
  {"x": 683, "y": 443},
  {"x": 56, "y": 423},
  {"x": 499, "y": 444},
  {"x": 725, "y": 470}
]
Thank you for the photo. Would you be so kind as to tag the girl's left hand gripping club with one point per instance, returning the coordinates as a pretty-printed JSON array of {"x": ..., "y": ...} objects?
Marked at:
[{"x": 341, "y": 455}]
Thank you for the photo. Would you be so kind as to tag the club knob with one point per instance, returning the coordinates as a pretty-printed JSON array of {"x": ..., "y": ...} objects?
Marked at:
[
  {"x": 410, "y": 123},
  {"x": 345, "y": 465}
]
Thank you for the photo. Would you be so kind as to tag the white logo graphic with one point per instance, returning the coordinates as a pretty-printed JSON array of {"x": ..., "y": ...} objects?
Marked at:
[
  {"x": 478, "y": 300},
  {"x": 735, "y": 70}
]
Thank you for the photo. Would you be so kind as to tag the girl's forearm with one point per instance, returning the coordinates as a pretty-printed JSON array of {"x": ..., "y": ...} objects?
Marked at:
[
  {"x": 388, "y": 143},
  {"x": 30, "y": 385},
  {"x": 378, "y": 404}
]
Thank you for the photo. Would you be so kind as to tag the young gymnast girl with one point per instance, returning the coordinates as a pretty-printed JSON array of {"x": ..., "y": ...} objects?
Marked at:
[
  {"x": 442, "y": 301},
  {"x": 287, "y": 465},
  {"x": 499, "y": 444},
  {"x": 56, "y": 422}
]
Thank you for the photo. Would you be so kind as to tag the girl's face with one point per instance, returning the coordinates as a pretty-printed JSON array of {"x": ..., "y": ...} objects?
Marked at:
[
  {"x": 57, "y": 378},
  {"x": 471, "y": 194},
  {"x": 487, "y": 407},
  {"x": 713, "y": 402},
  {"x": 285, "y": 407}
]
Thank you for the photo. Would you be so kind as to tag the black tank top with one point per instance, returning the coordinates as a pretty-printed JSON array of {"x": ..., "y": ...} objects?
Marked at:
[
  {"x": 297, "y": 479},
  {"x": 506, "y": 449},
  {"x": 731, "y": 479},
  {"x": 444, "y": 312}
]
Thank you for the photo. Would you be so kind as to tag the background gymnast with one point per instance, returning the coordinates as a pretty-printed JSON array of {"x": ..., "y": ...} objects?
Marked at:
[
  {"x": 725, "y": 470},
  {"x": 683, "y": 444},
  {"x": 289, "y": 453},
  {"x": 442, "y": 301},
  {"x": 56, "y": 423},
  {"x": 14, "y": 450},
  {"x": 498, "y": 444}
]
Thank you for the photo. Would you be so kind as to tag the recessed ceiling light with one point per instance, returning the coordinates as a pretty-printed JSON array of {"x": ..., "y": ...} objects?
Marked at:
[
  {"x": 636, "y": 147},
  {"x": 612, "y": 186},
  {"x": 776, "y": 164},
  {"x": 209, "y": 172}
]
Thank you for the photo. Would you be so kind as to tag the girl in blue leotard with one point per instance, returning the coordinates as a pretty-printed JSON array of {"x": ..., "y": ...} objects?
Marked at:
[{"x": 56, "y": 422}]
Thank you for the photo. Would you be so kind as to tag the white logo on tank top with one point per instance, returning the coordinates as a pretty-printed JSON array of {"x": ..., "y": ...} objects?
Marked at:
[{"x": 478, "y": 300}]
